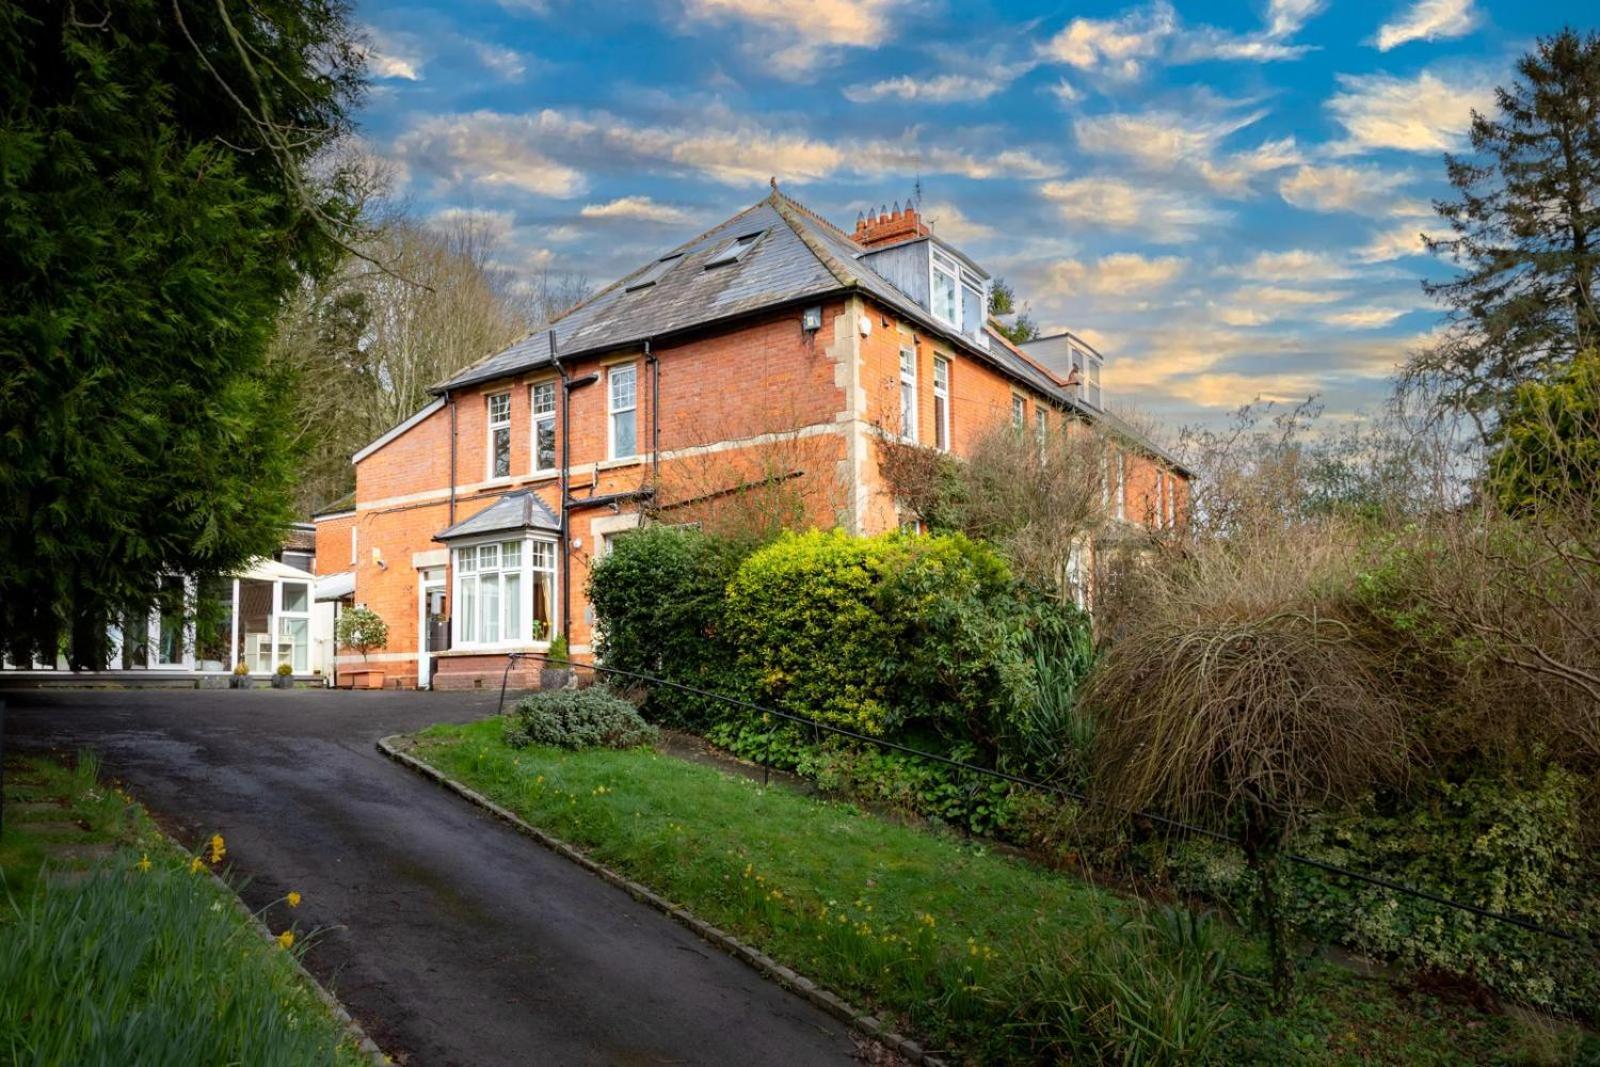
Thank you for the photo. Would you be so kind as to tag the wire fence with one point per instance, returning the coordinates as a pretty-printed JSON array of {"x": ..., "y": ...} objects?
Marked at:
[{"x": 1177, "y": 826}]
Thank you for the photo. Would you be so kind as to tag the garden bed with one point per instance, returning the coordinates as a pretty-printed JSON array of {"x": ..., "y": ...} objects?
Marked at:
[
  {"x": 971, "y": 950},
  {"x": 117, "y": 946}
]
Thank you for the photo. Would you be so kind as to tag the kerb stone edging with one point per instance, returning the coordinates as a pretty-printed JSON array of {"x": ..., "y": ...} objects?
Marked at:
[{"x": 827, "y": 1000}]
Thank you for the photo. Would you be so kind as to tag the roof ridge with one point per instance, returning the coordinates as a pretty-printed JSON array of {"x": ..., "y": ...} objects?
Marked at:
[
  {"x": 778, "y": 194},
  {"x": 785, "y": 208}
]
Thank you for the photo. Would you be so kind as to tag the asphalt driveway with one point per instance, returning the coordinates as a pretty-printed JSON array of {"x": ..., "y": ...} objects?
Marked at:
[{"x": 453, "y": 939}]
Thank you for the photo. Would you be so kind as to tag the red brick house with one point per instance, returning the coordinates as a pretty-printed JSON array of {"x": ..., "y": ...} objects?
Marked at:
[{"x": 773, "y": 347}]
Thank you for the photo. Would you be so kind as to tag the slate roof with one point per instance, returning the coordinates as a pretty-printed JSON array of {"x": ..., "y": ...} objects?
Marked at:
[
  {"x": 799, "y": 257},
  {"x": 515, "y": 511}
]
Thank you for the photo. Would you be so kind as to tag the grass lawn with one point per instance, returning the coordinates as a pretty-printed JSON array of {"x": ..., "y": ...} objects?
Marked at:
[
  {"x": 115, "y": 948},
  {"x": 966, "y": 948}
]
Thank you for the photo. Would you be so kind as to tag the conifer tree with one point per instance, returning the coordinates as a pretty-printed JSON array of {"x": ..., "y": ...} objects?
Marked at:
[
  {"x": 1525, "y": 233},
  {"x": 156, "y": 206}
]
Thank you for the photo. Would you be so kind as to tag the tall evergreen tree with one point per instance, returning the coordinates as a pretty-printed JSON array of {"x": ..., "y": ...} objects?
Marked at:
[
  {"x": 1525, "y": 232},
  {"x": 155, "y": 208}
]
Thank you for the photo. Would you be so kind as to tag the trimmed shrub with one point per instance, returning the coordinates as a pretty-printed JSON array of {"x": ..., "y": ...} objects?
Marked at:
[
  {"x": 660, "y": 597},
  {"x": 577, "y": 718},
  {"x": 875, "y": 633}
]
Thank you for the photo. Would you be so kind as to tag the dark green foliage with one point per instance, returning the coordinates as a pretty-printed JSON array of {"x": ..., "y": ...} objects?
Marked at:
[
  {"x": 151, "y": 227},
  {"x": 1003, "y": 301},
  {"x": 1526, "y": 229},
  {"x": 1509, "y": 846},
  {"x": 577, "y": 718},
  {"x": 660, "y": 599},
  {"x": 1547, "y": 453},
  {"x": 922, "y": 639},
  {"x": 877, "y": 633}
]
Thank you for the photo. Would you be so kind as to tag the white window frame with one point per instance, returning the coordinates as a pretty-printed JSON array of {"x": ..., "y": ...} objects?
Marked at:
[
  {"x": 494, "y": 426},
  {"x": 465, "y": 633},
  {"x": 941, "y": 403},
  {"x": 1019, "y": 411},
  {"x": 1172, "y": 501},
  {"x": 1041, "y": 425},
  {"x": 908, "y": 394},
  {"x": 612, "y": 410},
  {"x": 537, "y": 418},
  {"x": 1094, "y": 397},
  {"x": 940, "y": 262}
]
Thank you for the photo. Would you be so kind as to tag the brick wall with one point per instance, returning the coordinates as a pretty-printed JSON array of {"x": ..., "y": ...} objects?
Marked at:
[{"x": 758, "y": 420}]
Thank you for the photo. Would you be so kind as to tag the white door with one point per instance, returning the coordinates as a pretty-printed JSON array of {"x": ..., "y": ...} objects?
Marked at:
[{"x": 430, "y": 609}]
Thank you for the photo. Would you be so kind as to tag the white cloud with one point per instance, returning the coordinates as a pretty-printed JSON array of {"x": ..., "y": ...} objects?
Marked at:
[
  {"x": 392, "y": 55},
  {"x": 948, "y": 221},
  {"x": 636, "y": 208},
  {"x": 1285, "y": 17},
  {"x": 497, "y": 226},
  {"x": 1422, "y": 114},
  {"x": 1363, "y": 318},
  {"x": 1295, "y": 265},
  {"x": 1161, "y": 214},
  {"x": 814, "y": 30},
  {"x": 1230, "y": 315},
  {"x": 550, "y": 151},
  {"x": 478, "y": 149},
  {"x": 1169, "y": 141},
  {"x": 1115, "y": 46},
  {"x": 1401, "y": 239},
  {"x": 1428, "y": 20},
  {"x": 1284, "y": 296},
  {"x": 508, "y": 64},
  {"x": 1066, "y": 92},
  {"x": 941, "y": 89},
  {"x": 1118, "y": 274},
  {"x": 1365, "y": 190},
  {"x": 1121, "y": 47}
]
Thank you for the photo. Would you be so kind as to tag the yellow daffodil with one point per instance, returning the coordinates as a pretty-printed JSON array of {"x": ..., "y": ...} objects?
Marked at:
[
  {"x": 293, "y": 899},
  {"x": 195, "y": 865},
  {"x": 218, "y": 849},
  {"x": 286, "y": 939},
  {"x": 144, "y": 863}
]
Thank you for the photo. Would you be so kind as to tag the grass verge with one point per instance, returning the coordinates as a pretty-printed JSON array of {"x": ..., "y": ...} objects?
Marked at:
[
  {"x": 972, "y": 950},
  {"x": 117, "y": 948}
]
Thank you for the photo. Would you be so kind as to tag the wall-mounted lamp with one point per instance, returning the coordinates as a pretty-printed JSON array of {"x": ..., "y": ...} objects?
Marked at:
[
  {"x": 811, "y": 319},
  {"x": 377, "y": 559}
]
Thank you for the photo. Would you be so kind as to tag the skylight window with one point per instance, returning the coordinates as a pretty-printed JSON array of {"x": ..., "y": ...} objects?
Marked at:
[
  {"x": 653, "y": 273},
  {"x": 734, "y": 250}
]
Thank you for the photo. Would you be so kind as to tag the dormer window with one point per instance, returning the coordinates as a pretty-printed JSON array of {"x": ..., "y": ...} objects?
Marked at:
[
  {"x": 946, "y": 289},
  {"x": 1086, "y": 365}
]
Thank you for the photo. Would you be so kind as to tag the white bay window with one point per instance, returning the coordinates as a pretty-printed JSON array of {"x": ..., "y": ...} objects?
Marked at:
[{"x": 505, "y": 592}]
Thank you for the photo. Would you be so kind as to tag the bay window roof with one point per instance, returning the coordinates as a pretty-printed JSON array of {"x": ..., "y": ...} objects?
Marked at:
[{"x": 521, "y": 510}]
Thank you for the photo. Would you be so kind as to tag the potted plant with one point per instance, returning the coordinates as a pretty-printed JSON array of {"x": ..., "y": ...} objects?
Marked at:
[
  {"x": 283, "y": 677},
  {"x": 557, "y": 672},
  {"x": 241, "y": 676},
  {"x": 363, "y": 629}
]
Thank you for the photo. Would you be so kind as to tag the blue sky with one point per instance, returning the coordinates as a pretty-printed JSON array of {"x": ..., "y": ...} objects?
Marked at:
[{"x": 1223, "y": 197}]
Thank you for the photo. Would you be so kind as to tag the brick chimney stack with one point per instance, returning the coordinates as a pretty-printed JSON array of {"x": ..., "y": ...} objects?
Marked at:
[{"x": 885, "y": 226}]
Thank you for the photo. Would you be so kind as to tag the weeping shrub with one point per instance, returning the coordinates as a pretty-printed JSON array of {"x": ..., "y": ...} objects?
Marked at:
[{"x": 1238, "y": 700}]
